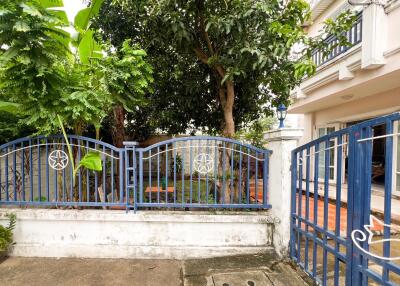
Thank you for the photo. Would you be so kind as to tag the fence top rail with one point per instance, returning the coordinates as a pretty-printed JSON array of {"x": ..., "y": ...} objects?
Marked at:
[
  {"x": 206, "y": 138},
  {"x": 368, "y": 123},
  {"x": 31, "y": 139}
]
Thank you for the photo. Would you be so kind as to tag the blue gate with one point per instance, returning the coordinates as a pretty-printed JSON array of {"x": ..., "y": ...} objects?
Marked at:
[
  {"x": 186, "y": 172},
  {"x": 345, "y": 209}
]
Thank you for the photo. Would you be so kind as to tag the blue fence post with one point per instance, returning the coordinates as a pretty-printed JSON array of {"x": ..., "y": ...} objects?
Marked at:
[
  {"x": 293, "y": 168},
  {"x": 265, "y": 179},
  {"x": 130, "y": 170}
]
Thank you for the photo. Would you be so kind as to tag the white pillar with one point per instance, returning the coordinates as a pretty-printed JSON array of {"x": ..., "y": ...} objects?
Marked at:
[
  {"x": 281, "y": 142},
  {"x": 374, "y": 35}
]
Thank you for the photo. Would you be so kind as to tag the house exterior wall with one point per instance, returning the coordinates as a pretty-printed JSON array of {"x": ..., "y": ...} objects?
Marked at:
[{"x": 358, "y": 84}]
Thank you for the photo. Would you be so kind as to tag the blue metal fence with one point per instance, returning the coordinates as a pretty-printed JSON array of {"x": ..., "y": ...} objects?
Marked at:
[
  {"x": 329, "y": 219},
  {"x": 187, "y": 172}
]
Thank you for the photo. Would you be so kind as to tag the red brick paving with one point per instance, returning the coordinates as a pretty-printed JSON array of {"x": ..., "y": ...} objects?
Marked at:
[{"x": 331, "y": 214}]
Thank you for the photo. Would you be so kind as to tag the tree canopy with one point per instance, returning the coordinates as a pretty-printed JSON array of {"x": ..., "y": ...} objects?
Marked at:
[{"x": 230, "y": 61}]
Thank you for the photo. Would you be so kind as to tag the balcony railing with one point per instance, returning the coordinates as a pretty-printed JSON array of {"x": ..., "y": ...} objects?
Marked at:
[{"x": 354, "y": 36}]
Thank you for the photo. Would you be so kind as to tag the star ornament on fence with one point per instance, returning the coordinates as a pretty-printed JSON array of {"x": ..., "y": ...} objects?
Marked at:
[
  {"x": 58, "y": 160},
  {"x": 203, "y": 163}
]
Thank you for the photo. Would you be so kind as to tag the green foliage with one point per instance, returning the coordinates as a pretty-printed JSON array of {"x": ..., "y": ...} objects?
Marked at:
[
  {"x": 41, "y": 199},
  {"x": 126, "y": 75},
  {"x": 91, "y": 161},
  {"x": 196, "y": 47},
  {"x": 9, "y": 107},
  {"x": 32, "y": 60},
  {"x": 6, "y": 233},
  {"x": 41, "y": 79},
  {"x": 254, "y": 132}
]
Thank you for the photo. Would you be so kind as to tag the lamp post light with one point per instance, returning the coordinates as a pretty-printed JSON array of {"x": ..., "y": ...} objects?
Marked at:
[{"x": 281, "y": 113}]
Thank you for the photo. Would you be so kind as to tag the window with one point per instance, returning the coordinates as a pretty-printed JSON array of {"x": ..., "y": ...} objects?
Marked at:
[{"x": 322, "y": 131}]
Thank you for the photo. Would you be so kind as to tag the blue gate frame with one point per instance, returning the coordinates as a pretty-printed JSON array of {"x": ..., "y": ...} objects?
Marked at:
[
  {"x": 185, "y": 172},
  {"x": 311, "y": 232}
]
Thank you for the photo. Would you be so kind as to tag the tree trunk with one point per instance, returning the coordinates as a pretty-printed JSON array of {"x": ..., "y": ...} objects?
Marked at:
[
  {"x": 118, "y": 129},
  {"x": 229, "y": 128}
]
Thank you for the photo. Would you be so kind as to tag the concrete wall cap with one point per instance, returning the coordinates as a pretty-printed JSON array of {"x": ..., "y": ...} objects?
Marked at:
[{"x": 284, "y": 134}]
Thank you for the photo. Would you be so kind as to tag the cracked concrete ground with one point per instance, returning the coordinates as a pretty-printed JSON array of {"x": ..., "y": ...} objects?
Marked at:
[{"x": 246, "y": 270}]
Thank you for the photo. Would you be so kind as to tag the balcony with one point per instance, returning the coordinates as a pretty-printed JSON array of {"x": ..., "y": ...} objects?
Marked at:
[{"x": 354, "y": 36}]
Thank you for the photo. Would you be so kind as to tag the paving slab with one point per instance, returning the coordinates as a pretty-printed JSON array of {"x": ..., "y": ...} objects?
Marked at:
[
  {"x": 246, "y": 270},
  {"x": 247, "y": 278},
  {"x": 97, "y": 272}
]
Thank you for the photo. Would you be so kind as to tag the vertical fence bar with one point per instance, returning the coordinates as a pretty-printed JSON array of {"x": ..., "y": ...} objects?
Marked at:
[
  {"x": 199, "y": 150},
  {"x": 207, "y": 152},
  {"x": 306, "y": 256},
  {"x": 135, "y": 200},
  {"x": 354, "y": 134},
  {"x": 158, "y": 174},
  {"x": 47, "y": 172},
  {"x": 55, "y": 174},
  {"x": 141, "y": 177},
  {"x": 166, "y": 173},
  {"x": 30, "y": 169},
  {"x": 15, "y": 171},
  {"x": 338, "y": 206},
  {"x": 255, "y": 178},
  {"x": 96, "y": 184},
  {"x": 183, "y": 174},
  {"x": 79, "y": 172},
  {"x": 366, "y": 188},
  {"x": 326, "y": 202},
  {"x": 240, "y": 173},
  {"x": 232, "y": 175},
  {"x": 104, "y": 175},
  {"x": 388, "y": 196},
  {"x": 123, "y": 157},
  {"x": 87, "y": 177},
  {"x": 6, "y": 175},
  {"x": 248, "y": 177},
  {"x": 215, "y": 170},
  {"x": 223, "y": 171},
  {"x": 150, "y": 186},
  {"x": 191, "y": 172},
  {"x": 315, "y": 218},
  {"x": 299, "y": 211},
  {"x": 112, "y": 175},
  {"x": 174, "y": 148},
  {"x": 71, "y": 176},
  {"x": 23, "y": 171},
  {"x": 39, "y": 171}
]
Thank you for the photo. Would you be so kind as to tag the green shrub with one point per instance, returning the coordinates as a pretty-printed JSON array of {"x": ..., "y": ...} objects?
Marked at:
[{"x": 6, "y": 233}]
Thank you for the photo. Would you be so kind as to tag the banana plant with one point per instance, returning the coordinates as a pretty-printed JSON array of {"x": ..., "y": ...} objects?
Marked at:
[
  {"x": 91, "y": 161},
  {"x": 85, "y": 41}
]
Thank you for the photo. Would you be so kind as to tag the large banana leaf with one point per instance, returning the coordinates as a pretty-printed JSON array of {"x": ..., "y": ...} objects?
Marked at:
[
  {"x": 88, "y": 48},
  {"x": 82, "y": 19},
  {"x": 87, "y": 45},
  {"x": 52, "y": 6}
]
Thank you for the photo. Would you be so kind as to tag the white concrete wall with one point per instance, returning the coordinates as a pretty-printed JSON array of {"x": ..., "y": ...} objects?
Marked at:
[
  {"x": 281, "y": 142},
  {"x": 146, "y": 234}
]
